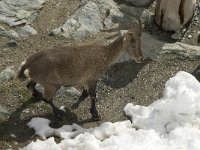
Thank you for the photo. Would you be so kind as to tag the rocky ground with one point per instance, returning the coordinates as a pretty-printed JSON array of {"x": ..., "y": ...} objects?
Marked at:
[{"x": 124, "y": 82}]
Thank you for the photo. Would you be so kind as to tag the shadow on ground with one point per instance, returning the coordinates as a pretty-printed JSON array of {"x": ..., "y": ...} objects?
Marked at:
[
  {"x": 121, "y": 74},
  {"x": 196, "y": 73},
  {"x": 18, "y": 127}
]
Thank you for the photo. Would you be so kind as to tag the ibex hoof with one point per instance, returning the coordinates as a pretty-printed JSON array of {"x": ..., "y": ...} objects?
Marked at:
[
  {"x": 37, "y": 96},
  {"x": 75, "y": 106},
  {"x": 95, "y": 115},
  {"x": 59, "y": 113},
  {"x": 96, "y": 118}
]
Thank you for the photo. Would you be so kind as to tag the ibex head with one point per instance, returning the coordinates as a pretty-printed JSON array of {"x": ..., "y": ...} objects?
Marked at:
[{"x": 132, "y": 41}]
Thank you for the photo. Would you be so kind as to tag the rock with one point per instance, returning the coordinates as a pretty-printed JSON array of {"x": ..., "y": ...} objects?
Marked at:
[
  {"x": 183, "y": 49},
  {"x": 18, "y": 12},
  {"x": 7, "y": 74},
  {"x": 189, "y": 36},
  {"x": 196, "y": 19},
  {"x": 39, "y": 88},
  {"x": 168, "y": 16},
  {"x": 152, "y": 45},
  {"x": 92, "y": 17},
  {"x": 85, "y": 20},
  {"x": 13, "y": 136},
  {"x": 177, "y": 35},
  {"x": 27, "y": 31},
  {"x": 73, "y": 91},
  {"x": 184, "y": 30},
  {"x": 11, "y": 33},
  {"x": 147, "y": 16},
  {"x": 3, "y": 114},
  {"x": 62, "y": 108},
  {"x": 141, "y": 3},
  {"x": 12, "y": 43}
]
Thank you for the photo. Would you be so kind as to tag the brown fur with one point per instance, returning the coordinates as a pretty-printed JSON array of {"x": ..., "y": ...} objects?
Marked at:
[{"x": 72, "y": 65}]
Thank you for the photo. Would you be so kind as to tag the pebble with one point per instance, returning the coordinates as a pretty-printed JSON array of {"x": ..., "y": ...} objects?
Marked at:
[
  {"x": 12, "y": 43},
  {"x": 196, "y": 19},
  {"x": 26, "y": 111},
  {"x": 7, "y": 74},
  {"x": 184, "y": 30},
  {"x": 189, "y": 36},
  {"x": 62, "y": 108},
  {"x": 12, "y": 135},
  {"x": 176, "y": 36}
]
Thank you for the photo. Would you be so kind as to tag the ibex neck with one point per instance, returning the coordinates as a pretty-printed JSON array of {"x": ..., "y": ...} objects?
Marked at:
[{"x": 115, "y": 49}]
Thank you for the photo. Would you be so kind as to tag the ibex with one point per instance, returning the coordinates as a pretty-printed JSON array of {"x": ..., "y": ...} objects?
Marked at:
[{"x": 72, "y": 65}]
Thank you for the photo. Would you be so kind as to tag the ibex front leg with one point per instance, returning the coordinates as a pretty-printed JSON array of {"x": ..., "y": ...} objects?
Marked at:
[{"x": 92, "y": 92}]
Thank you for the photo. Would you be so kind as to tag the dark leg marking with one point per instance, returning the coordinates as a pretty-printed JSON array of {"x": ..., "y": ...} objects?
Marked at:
[
  {"x": 92, "y": 92},
  {"x": 59, "y": 113},
  {"x": 36, "y": 94},
  {"x": 83, "y": 96}
]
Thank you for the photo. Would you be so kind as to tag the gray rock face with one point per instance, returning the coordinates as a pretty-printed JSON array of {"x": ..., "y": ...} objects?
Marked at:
[
  {"x": 11, "y": 33},
  {"x": 91, "y": 18},
  {"x": 7, "y": 74},
  {"x": 27, "y": 31},
  {"x": 72, "y": 91},
  {"x": 183, "y": 49},
  {"x": 18, "y": 12},
  {"x": 86, "y": 19}
]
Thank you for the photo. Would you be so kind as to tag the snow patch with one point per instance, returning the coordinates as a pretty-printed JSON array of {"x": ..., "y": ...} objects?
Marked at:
[{"x": 171, "y": 123}]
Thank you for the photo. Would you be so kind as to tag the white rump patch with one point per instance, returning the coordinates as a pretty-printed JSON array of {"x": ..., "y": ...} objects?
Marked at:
[
  {"x": 23, "y": 63},
  {"x": 26, "y": 73}
]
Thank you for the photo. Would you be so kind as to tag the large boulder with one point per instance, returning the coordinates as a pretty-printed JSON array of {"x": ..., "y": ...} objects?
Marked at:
[
  {"x": 93, "y": 16},
  {"x": 189, "y": 51}
]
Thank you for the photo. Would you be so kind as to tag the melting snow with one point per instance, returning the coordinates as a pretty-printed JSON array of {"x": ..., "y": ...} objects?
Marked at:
[{"x": 170, "y": 123}]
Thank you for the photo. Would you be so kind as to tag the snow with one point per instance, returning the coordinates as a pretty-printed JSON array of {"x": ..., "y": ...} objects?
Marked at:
[{"x": 170, "y": 123}]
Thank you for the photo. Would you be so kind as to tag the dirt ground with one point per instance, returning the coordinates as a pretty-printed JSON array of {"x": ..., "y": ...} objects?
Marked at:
[{"x": 123, "y": 83}]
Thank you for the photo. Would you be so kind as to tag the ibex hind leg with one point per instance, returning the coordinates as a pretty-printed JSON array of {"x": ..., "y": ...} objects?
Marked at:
[
  {"x": 36, "y": 94},
  {"x": 92, "y": 92}
]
